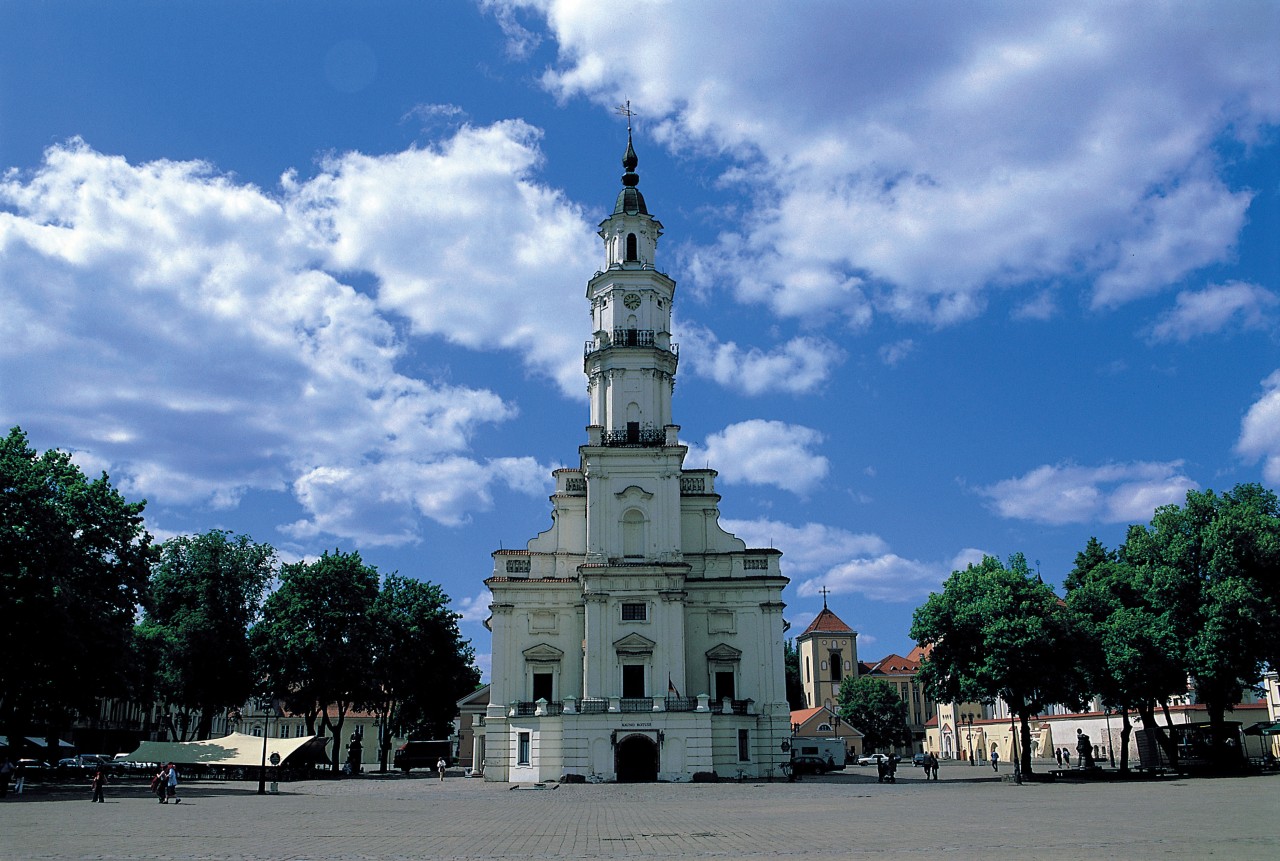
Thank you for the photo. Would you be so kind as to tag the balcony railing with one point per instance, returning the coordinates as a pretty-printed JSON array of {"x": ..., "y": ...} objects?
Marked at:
[
  {"x": 593, "y": 706},
  {"x": 628, "y": 705},
  {"x": 641, "y": 437},
  {"x": 629, "y": 338},
  {"x": 527, "y": 709}
]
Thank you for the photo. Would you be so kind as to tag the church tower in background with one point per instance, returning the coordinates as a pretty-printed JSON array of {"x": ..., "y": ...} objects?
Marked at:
[{"x": 635, "y": 639}]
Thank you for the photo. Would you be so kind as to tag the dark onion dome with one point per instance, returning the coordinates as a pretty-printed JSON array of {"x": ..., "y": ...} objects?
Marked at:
[{"x": 630, "y": 200}]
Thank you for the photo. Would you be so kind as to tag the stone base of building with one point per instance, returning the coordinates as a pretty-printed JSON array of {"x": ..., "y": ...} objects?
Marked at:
[{"x": 621, "y": 747}]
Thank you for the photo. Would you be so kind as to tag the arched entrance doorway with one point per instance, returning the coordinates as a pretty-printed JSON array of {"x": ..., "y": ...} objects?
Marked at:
[{"x": 635, "y": 759}]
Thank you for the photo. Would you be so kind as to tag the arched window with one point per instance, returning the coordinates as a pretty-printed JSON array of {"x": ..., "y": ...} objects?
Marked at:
[{"x": 631, "y": 247}]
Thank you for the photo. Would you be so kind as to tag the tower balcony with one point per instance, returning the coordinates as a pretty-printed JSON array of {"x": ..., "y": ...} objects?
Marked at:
[
  {"x": 629, "y": 338},
  {"x": 634, "y": 437}
]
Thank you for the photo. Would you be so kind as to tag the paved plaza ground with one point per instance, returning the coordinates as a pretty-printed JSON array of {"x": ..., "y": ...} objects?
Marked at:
[{"x": 969, "y": 813}]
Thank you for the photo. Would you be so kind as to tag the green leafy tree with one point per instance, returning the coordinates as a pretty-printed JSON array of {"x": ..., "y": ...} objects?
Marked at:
[
  {"x": 1131, "y": 653},
  {"x": 421, "y": 665},
  {"x": 1212, "y": 564},
  {"x": 313, "y": 645},
  {"x": 791, "y": 670},
  {"x": 996, "y": 632},
  {"x": 205, "y": 592},
  {"x": 74, "y": 557},
  {"x": 875, "y": 709}
]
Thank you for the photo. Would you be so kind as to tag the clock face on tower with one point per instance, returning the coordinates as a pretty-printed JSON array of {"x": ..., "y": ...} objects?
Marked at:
[{"x": 632, "y": 301}]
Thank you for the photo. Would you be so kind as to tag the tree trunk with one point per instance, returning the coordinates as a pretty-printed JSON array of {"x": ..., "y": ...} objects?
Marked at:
[
  {"x": 1125, "y": 729},
  {"x": 205, "y": 728},
  {"x": 1148, "y": 714},
  {"x": 1025, "y": 753}
]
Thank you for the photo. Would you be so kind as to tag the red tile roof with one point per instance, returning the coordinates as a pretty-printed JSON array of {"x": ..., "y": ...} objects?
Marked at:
[{"x": 827, "y": 622}]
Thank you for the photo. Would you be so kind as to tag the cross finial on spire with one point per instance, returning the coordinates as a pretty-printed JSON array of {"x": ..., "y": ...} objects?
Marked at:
[
  {"x": 825, "y": 591},
  {"x": 625, "y": 110}
]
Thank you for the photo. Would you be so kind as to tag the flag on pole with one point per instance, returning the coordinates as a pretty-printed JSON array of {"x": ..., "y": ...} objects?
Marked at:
[{"x": 671, "y": 687}]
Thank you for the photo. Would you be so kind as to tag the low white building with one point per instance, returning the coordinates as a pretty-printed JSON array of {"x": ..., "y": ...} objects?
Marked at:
[{"x": 635, "y": 639}]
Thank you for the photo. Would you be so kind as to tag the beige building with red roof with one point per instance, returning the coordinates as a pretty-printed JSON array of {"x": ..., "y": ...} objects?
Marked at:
[{"x": 828, "y": 651}]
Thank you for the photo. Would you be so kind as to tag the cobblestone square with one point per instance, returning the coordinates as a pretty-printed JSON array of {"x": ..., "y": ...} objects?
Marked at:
[{"x": 969, "y": 813}]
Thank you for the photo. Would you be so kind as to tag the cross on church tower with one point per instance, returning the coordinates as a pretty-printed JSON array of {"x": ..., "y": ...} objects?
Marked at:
[
  {"x": 825, "y": 591},
  {"x": 625, "y": 110}
]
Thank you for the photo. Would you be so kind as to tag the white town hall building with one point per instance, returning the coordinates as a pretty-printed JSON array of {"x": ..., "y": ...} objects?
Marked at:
[{"x": 635, "y": 639}]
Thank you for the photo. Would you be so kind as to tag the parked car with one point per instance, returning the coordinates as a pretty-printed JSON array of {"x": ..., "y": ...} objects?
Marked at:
[
  {"x": 873, "y": 759},
  {"x": 34, "y": 767},
  {"x": 807, "y": 763},
  {"x": 918, "y": 759}
]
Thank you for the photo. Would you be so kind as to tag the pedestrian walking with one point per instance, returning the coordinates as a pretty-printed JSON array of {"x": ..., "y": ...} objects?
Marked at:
[
  {"x": 1066, "y": 758},
  {"x": 440, "y": 767},
  {"x": 995, "y": 759},
  {"x": 160, "y": 784},
  {"x": 173, "y": 784},
  {"x": 99, "y": 783},
  {"x": 1057, "y": 753}
]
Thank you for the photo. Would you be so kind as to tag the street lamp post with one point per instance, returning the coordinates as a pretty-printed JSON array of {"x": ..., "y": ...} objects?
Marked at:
[
  {"x": 266, "y": 727},
  {"x": 968, "y": 718},
  {"x": 1017, "y": 760}
]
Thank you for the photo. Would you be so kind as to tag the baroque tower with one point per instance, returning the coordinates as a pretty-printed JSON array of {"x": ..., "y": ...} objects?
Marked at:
[{"x": 635, "y": 639}]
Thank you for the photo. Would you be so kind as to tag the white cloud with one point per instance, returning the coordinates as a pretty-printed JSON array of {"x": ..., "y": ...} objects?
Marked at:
[
  {"x": 966, "y": 147},
  {"x": 888, "y": 577},
  {"x": 816, "y": 555},
  {"x": 808, "y": 548},
  {"x": 1216, "y": 308},
  {"x": 1041, "y": 306},
  {"x": 1067, "y": 493},
  {"x": 764, "y": 452},
  {"x": 1260, "y": 430},
  {"x": 796, "y": 367},
  {"x": 474, "y": 609},
  {"x": 155, "y": 311},
  {"x": 893, "y": 354},
  {"x": 444, "y": 229}
]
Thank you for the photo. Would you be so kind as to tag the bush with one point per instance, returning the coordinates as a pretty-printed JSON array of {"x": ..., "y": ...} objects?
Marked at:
[{"x": 705, "y": 777}]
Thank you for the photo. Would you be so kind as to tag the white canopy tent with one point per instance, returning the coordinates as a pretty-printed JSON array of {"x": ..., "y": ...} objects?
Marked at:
[{"x": 237, "y": 749}]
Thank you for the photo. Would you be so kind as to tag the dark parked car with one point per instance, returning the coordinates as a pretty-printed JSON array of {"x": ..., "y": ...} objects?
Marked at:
[
  {"x": 807, "y": 763},
  {"x": 918, "y": 759}
]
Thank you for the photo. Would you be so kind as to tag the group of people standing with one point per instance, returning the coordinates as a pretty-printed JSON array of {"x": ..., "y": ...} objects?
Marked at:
[{"x": 165, "y": 784}]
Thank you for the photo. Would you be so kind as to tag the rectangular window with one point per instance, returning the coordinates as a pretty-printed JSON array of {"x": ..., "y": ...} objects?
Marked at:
[
  {"x": 633, "y": 681},
  {"x": 522, "y": 753},
  {"x": 836, "y": 664},
  {"x": 634, "y": 612},
  {"x": 744, "y": 745},
  {"x": 542, "y": 687},
  {"x": 724, "y": 684}
]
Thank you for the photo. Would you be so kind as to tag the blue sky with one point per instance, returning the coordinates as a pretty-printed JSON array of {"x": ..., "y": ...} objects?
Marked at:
[{"x": 953, "y": 279}]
